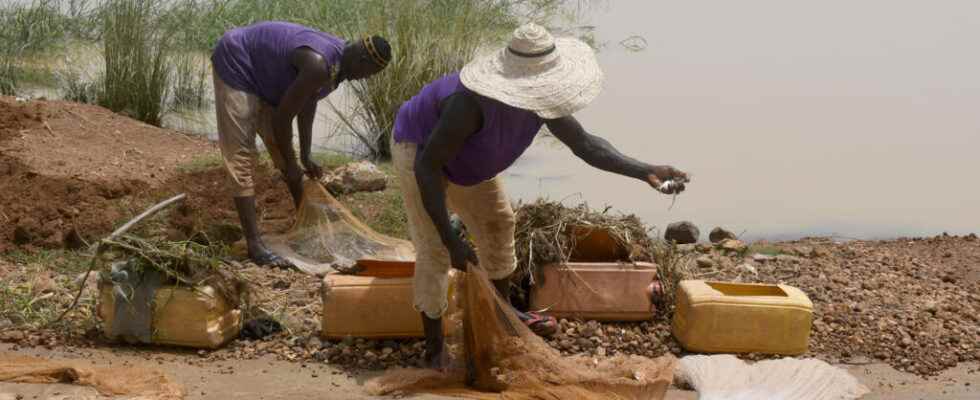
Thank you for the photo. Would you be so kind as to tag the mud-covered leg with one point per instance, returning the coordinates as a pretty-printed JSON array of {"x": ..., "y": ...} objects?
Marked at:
[
  {"x": 257, "y": 251},
  {"x": 435, "y": 342}
]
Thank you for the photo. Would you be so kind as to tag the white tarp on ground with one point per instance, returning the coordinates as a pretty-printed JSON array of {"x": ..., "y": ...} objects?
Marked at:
[{"x": 725, "y": 377}]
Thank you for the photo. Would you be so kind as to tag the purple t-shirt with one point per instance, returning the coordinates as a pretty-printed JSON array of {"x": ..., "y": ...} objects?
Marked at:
[
  {"x": 255, "y": 58},
  {"x": 506, "y": 133}
]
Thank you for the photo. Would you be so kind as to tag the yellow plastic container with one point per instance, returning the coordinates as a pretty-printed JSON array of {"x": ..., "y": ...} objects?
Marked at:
[
  {"x": 723, "y": 317},
  {"x": 199, "y": 318}
]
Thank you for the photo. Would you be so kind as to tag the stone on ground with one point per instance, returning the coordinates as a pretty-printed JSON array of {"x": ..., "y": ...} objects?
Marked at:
[
  {"x": 718, "y": 234},
  {"x": 683, "y": 232},
  {"x": 361, "y": 176}
]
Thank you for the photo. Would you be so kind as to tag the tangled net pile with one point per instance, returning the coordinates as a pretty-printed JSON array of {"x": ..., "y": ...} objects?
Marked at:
[
  {"x": 327, "y": 236},
  {"x": 508, "y": 361},
  {"x": 132, "y": 381}
]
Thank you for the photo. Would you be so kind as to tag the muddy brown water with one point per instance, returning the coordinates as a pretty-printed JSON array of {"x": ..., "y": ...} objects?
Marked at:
[{"x": 829, "y": 118}]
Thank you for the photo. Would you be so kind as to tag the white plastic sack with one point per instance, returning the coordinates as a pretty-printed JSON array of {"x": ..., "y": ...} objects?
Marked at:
[{"x": 725, "y": 377}]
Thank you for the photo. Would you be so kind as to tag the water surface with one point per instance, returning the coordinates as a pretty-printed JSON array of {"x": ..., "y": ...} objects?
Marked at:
[{"x": 856, "y": 119}]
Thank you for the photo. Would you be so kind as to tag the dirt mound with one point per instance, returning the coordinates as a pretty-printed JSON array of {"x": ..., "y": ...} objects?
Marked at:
[
  {"x": 71, "y": 140},
  {"x": 16, "y": 117},
  {"x": 53, "y": 212},
  {"x": 209, "y": 207},
  {"x": 73, "y": 171}
]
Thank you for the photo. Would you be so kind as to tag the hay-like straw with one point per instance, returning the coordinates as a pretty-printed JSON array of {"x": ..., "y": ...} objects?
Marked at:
[
  {"x": 187, "y": 264},
  {"x": 543, "y": 236}
]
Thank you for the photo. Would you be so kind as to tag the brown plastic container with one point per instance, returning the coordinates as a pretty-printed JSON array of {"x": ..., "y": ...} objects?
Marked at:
[
  {"x": 199, "y": 318},
  {"x": 370, "y": 307},
  {"x": 599, "y": 291}
]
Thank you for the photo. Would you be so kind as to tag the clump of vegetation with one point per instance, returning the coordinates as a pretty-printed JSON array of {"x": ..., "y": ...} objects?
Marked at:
[
  {"x": 155, "y": 51},
  {"x": 190, "y": 82},
  {"x": 74, "y": 87},
  {"x": 673, "y": 266},
  {"x": 429, "y": 38},
  {"x": 41, "y": 287},
  {"x": 186, "y": 263},
  {"x": 29, "y": 29},
  {"x": 548, "y": 232},
  {"x": 137, "y": 49}
]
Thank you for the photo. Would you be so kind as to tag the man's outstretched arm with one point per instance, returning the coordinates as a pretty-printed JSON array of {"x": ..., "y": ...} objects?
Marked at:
[{"x": 599, "y": 153}]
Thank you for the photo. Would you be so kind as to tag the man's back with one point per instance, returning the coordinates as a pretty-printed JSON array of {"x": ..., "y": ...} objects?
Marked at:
[{"x": 256, "y": 58}]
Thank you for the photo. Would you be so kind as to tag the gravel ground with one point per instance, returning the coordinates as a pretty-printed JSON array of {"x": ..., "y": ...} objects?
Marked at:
[{"x": 910, "y": 303}]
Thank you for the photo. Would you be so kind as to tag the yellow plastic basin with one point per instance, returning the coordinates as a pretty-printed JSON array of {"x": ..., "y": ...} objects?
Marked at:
[{"x": 726, "y": 317}]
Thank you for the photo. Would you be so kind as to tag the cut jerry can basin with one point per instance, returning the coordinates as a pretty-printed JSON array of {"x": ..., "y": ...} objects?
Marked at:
[
  {"x": 729, "y": 317},
  {"x": 607, "y": 291},
  {"x": 182, "y": 316}
]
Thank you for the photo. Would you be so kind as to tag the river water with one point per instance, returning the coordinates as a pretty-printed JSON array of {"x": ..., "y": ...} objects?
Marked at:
[{"x": 852, "y": 119}]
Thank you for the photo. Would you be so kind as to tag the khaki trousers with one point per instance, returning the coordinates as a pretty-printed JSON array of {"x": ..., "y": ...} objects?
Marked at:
[
  {"x": 488, "y": 216},
  {"x": 240, "y": 116}
]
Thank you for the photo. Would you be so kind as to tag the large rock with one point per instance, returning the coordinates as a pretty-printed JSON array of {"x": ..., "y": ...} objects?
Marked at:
[
  {"x": 718, "y": 234},
  {"x": 683, "y": 232},
  {"x": 361, "y": 176}
]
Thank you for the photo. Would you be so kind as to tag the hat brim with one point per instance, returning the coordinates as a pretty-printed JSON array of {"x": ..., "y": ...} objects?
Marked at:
[{"x": 574, "y": 81}]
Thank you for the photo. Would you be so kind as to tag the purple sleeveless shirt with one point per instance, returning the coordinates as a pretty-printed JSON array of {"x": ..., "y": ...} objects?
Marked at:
[
  {"x": 255, "y": 58},
  {"x": 506, "y": 133}
]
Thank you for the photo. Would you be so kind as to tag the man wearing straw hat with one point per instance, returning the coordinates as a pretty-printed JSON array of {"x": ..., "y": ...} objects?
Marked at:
[
  {"x": 453, "y": 138},
  {"x": 265, "y": 75}
]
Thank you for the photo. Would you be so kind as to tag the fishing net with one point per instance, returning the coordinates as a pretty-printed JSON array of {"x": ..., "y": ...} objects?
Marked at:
[
  {"x": 113, "y": 381},
  {"x": 327, "y": 236},
  {"x": 502, "y": 359}
]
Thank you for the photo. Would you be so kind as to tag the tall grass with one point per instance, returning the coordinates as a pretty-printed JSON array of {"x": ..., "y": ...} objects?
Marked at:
[
  {"x": 152, "y": 48},
  {"x": 191, "y": 77},
  {"x": 137, "y": 49},
  {"x": 23, "y": 28},
  {"x": 430, "y": 38},
  {"x": 75, "y": 87}
]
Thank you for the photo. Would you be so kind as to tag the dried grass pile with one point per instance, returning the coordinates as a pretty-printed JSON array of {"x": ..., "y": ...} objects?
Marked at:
[
  {"x": 546, "y": 234},
  {"x": 186, "y": 263}
]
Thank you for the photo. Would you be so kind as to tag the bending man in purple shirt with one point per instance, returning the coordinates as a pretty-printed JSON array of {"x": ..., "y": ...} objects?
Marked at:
[
  {"x": 454, "y": 138},
  {"x": 265, "y": 75}
]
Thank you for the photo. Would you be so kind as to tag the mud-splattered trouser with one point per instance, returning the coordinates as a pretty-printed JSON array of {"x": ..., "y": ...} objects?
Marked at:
[
  {"x": 240, "y": 116},
  {"x": 485, "y": 210}
]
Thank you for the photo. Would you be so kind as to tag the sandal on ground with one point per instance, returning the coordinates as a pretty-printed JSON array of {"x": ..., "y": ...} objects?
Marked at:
[{"x": 541, "y": 325}]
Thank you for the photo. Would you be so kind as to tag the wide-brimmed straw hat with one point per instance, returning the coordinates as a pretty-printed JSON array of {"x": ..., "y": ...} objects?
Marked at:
[{"x": 536, "y": 72}]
